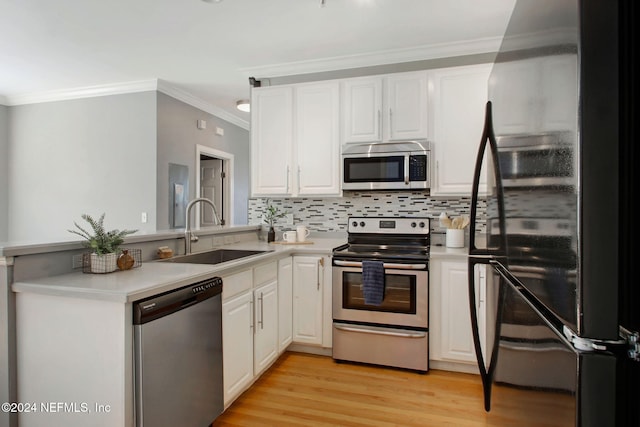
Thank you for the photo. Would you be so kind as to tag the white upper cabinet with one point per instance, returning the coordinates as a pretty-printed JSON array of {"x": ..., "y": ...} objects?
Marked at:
[
  {"x": 317, "y": 139},
  {"x": 295, "y": 146},
  {"x": 516, "y": 85},
  {"x": 271, "y": 139},
  {"x": 392, "y": 107},
  {"x": 362, "y": 109},
  {"x": 406, "y": 109},
  {"x": 458, "y": 110}
]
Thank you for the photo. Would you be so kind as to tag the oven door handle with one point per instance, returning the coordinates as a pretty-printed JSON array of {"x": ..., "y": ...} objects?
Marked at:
[
  {"x": 407, "y": 334},
  {"x": 393, "y": 266}
]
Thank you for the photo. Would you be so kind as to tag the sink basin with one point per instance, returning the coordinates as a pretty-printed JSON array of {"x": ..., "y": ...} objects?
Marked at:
[{"x": 216, "y": 256}]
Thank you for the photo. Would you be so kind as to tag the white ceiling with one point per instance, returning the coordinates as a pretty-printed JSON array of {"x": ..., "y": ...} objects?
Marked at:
[{"x": 209, "y": 49}]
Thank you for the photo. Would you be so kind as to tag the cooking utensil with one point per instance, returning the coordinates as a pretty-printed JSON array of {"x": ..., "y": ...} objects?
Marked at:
[
  {"x": 456, "y": 222},
  {"x": 445, "y": 221},
  {"x": 465, "y": 221}
]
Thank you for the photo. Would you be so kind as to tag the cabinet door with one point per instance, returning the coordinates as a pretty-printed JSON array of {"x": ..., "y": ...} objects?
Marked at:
[
  {"x": 405, "y": 115},
  {"x": 452, "y": 336},
  {"x": 237, "y": 348},
  {"x": 271, "y": 140},
  {"x": 285, "y": 303},
  {"x": 265, "y": 339},
  {"x": 307, "y": 299},
  {"x": 362, "y": 109},
  {"x": 317, "y": 139},
  {"x": 459, "y": 99},
  {"x": 512, "y": 90},
  {"x": 560, "y": 96}
]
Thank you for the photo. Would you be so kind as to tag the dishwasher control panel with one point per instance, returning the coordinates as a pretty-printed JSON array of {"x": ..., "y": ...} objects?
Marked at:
[
  {"x": 157, "y": 306},
  {"x": 207, "y": 284}
]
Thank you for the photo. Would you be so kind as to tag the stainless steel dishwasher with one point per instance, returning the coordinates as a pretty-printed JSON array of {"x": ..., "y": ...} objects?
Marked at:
[{"x": 178, "y": 356}]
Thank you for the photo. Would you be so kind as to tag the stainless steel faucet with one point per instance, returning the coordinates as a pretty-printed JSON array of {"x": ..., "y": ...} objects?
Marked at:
[{"x": 188, "y": 235}]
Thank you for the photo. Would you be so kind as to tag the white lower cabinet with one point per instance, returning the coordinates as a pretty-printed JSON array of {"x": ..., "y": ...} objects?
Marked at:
[
  {"x": 249, "y": 326},
  {"x": 237, "y": 334},
  {"x": 285, "y": 303},
  {"x": 312, "y": 300},
  {"x": 451, "y": 340},
  {"x": 265, "y": 339},
  {"x": 307, "y": 299}
]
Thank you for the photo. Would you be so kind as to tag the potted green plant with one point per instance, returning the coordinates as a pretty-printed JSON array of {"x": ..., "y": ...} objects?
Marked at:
[
  {"x": 104, "y": 245},
  {"x": 270, "y": 216}
]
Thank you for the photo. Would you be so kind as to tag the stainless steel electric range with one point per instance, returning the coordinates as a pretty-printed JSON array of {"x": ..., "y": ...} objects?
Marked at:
[{"x": 394, "y": 331}]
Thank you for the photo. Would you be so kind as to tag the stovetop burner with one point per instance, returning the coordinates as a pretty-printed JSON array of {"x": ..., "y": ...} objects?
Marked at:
[{"x": 386, "y": 238}]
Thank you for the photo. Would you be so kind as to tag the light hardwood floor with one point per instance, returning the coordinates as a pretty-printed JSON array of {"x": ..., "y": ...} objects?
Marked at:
[{"x": 308, "y": 390}]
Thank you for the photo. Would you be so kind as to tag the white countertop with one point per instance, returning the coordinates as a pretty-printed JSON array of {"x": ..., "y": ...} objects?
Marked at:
[
  {"x": 436, "y": 252},
  {"x": 155, "y": 277}
]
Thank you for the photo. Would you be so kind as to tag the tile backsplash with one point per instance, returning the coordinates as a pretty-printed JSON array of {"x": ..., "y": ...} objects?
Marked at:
[{"x": 330, "y": 214}]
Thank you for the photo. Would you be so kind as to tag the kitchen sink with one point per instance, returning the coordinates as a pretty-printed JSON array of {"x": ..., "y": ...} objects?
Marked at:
[{"x": 216, "y": 256}]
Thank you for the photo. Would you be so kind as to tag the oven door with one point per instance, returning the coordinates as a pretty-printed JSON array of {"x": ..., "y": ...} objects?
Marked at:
[{"x": 406, "y": 296}]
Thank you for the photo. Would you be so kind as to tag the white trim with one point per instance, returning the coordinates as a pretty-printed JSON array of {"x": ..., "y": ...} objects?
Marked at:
[
  {"x": 83, "y": 92},
  {"x": 6, "y": 261},
  {"x": 228, "y": 159},
  {"x": 122, "y": 88},
  {"x": 196, "y": 102},
  {"x": 421, "y": 53}
]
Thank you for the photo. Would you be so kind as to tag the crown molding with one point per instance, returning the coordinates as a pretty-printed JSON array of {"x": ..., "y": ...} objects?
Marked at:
[
  {"x": 198, "y": 103},
  {"x": 395, "y": 56},
  {"x": 82, "y": 92},
  {"x": 119, "y": 89}
]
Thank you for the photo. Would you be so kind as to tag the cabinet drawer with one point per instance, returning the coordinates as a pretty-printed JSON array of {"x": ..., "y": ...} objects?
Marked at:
[
  {"x": 265, "y": 273},
  {"x": 236, "y": 283}
]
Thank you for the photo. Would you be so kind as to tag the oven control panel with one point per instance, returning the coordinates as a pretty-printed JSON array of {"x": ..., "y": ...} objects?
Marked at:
[{"x": 389, "y": 225}]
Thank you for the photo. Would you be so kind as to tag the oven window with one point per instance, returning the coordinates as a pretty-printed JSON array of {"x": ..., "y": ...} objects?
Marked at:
[
  {"x": 399, "y": 293},
  {"x": 374, "y": 169}
]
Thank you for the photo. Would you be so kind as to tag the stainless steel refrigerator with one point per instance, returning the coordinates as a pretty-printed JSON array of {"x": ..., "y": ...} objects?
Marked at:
[{"x": 558, "y": 156}]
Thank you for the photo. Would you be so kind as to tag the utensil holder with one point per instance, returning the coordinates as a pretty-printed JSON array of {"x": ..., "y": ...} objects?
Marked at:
[{"x": 455, "y": 238}]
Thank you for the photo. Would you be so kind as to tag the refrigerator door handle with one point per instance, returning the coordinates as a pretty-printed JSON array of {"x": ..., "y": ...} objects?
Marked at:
[
  {"x": 486, "y": 256},
  {"x": 488, "y": 139}
]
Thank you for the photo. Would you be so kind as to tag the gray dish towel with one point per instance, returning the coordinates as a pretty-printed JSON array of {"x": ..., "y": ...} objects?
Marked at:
[{"x": 373, "y": 282}]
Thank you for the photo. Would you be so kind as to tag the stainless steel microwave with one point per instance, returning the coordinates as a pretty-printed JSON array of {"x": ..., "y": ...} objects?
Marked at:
[{"x": 387, "y": 166}]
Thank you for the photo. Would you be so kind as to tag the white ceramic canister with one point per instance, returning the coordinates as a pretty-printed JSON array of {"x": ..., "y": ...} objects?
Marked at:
[{"x": 455, "y": 238}]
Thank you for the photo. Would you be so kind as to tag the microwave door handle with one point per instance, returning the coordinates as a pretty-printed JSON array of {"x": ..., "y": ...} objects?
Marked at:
[{"x": 406, "y": 170}]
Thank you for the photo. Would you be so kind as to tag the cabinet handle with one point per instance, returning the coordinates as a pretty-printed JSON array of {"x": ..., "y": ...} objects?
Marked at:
[
  {"x": 288, "y": 172},
  {"x": 379, "y": 124},
  {"x": 252, "y": 324},
  {"x": 320, "y": 262},
  {"x": 261, "y": 321},
  {"x": 299, "y": 178},
  {"x": 390, "y": 123}
]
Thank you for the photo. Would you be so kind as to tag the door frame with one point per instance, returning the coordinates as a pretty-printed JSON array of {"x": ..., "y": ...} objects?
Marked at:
[{"x": 227, "y": 166}]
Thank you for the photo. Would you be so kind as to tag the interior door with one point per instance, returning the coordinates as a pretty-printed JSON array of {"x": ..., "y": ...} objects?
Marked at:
[{"x": 211, "y": 179}]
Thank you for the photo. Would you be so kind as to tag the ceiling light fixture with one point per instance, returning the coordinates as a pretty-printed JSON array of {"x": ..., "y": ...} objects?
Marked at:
[{"x": 243, "y": 105}]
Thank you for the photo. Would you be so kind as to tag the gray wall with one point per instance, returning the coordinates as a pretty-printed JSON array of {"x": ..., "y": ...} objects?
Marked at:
[
  {"x": 178, "y": 136},
  {"x": 89, "y": 155},
  {"x": 4, "y": 177}
]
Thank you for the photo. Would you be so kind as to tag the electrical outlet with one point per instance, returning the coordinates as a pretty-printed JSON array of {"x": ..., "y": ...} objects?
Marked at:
[
  {"x": 289, "y": 219},
  {"x": 143, "y": 217},
  {"x": 76, "y": 261}
]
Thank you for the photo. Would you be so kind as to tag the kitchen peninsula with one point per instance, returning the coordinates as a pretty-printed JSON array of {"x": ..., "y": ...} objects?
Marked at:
[{"x": 72, "y": 334}]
